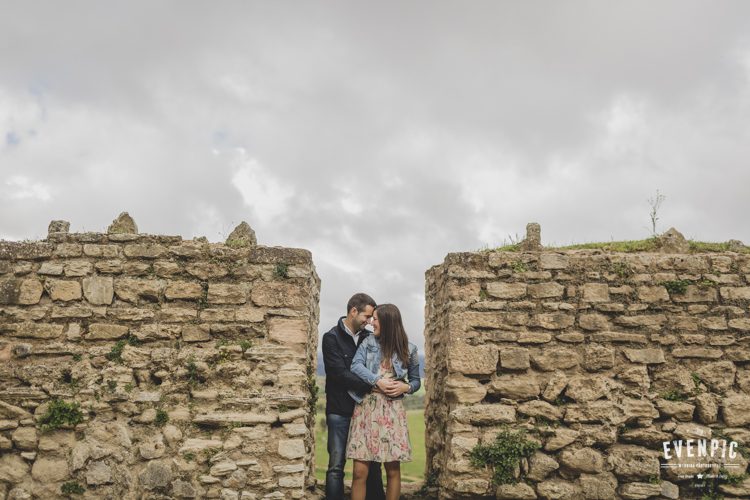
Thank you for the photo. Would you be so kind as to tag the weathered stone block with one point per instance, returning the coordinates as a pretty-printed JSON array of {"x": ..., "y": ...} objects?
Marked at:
[
  {"x": 484, "y": 414},
  {"x": 291, "y": 448},
  {"x": 288, "y": 331},
  {"x": 464, "y": 292},
  {"x": 593, "y": 322},
  {"x": 30, "y": 291},
  {"x": 555, "y": 385},
  {"x": 598, "y": 357},
  {"x": 696, "y": 352},
  {"x": 694, "y": 293},
  {"x": 559, "y": 489},
  {"x": 518, "y": 491},
  {"x": 633, "y": 462},
  {"x": 735, "y": 410},
  {"x": 145, "y": 250},
  {"x": 735, "y": 293},
  {"x": 98, "y": 290},
  {"x": 514, "y": 358},
  {"x": 636, "y": 491},
  {"x": 275, "y": 294},
  {"x": 37, "y": 330},
  {"x": 646, "y": 320},
  {"x": 652, "y": 294},
  {"x": 676, "y": 409},
  {"x": 691, "y": 430},
  {"x": 635, "y": 338},
  {"x": 596, "y": 292},
  {"x": 587, "y": 388},
  {"x": 249, "y": 313},
  {"x": 593, "y": 412},
  {"x": 196, "y": 333},
  {"x": 77, "y": 268},
  {"x": 545, "y": 290},
  {"x": 719, "y": 376},
  {"x": 534, "y": 338},
  {"x": 707, "y": 408},
  {"x": 176, "y": 314},
  {"x": 157, "y": 474},
  {"x": 506, "y": 290},
  {"x": 472, "y": 360},
  {"x": 649, "y": 437},
  {"x": 714, "y": 323},
  {"x": 50, "y": 469},
  {"x": 25, "y": 438},
  {"x": 13, "y": 469},
  {"x": 222, "y": 418},
  {"x": 582, "y": 460},
  {"x": 549, "y": 261},
  {"x": 541, "y": 465},
  {"x": 598, "y": 486},
  {"x": 645, "y": 356},
  {"x": 742, "y": 324},
  {"x": 63, "y": 290},
  {"x": 539, "y": 408},
  {"x": 515, "y": 387},
  {"x": 559, "y": 358},
  {"x": 104, "y": 331},
  {"x": 188, "y": 290},
  {"x": 553, "y": 321},
  {"x": 226, "y": 293},
  {"x": 133, "y": 289}
]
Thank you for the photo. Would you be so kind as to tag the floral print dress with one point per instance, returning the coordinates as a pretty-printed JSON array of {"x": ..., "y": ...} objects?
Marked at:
[{"x": 378, "y": 431}]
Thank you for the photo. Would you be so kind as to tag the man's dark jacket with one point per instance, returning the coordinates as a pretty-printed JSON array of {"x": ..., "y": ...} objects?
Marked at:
[{"x": 338, "y": 351}]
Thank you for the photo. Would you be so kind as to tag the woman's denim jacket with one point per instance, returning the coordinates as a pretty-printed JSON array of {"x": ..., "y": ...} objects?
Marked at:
[{"x": 366, "y": 365}]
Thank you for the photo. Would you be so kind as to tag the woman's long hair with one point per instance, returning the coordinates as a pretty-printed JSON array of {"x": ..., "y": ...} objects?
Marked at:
[{"x": 393, "y": 337}]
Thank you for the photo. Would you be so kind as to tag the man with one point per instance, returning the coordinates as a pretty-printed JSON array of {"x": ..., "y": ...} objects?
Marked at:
[{"x": 339, "y": 346}]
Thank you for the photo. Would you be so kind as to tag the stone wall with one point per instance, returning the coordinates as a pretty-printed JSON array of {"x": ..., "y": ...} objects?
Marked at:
[
  {"x": 191, "y": 363},
  {"x": 600, "y": 356}
]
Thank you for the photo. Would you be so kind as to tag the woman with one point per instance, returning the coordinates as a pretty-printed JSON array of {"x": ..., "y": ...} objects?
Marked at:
[{"x": 378, "y": 433}]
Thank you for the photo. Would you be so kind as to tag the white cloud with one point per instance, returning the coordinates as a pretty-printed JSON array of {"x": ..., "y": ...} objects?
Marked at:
[
  {"x": 260, "y": 190},
  {"x": 20, "y": 187},
  {"x": 465, "y": 124}
]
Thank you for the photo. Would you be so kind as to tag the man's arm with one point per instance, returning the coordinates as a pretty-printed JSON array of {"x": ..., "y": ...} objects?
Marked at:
[{"x": 336, "y": 366}]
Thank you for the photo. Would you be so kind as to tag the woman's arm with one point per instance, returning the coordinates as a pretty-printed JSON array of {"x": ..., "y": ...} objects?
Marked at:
[
  {"x": 358, "y": 366},
  {"x": 414, "y": 381}
]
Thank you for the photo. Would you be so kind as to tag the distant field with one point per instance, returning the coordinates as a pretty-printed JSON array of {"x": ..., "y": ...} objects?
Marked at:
[{"x": 410, "y": 471}]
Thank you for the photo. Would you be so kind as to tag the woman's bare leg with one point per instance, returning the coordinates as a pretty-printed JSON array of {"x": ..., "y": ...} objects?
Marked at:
[
  {"x": 393, "y": 474},
  {"x": 359, "y": 479}
]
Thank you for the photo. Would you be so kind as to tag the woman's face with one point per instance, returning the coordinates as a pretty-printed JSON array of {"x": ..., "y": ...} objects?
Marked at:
[{"x": 375, "y": 324}]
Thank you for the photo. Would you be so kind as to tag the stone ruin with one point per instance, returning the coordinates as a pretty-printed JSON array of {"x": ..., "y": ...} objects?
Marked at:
[
  {"x": 143, "y": 366},
  {"x": 600, "y": 357}
]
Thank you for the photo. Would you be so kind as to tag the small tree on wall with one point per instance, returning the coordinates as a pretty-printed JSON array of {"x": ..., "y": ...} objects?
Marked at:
[{"x": 655, "y": 204}]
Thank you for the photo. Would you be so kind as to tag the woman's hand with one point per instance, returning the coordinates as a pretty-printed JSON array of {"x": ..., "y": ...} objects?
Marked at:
[
  {"x": 392, "y": 388},
  {"x": 385, "y": 385}
]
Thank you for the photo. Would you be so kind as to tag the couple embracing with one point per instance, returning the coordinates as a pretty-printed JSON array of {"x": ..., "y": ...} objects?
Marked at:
[{"x": 370, "y": 365}]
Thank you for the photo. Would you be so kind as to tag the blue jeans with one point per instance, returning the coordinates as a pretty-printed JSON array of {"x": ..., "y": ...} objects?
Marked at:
[{"x": 338, "y": 434}]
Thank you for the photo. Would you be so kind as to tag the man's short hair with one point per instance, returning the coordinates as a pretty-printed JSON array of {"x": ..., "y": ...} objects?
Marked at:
[{"x": 360, "y": 301}]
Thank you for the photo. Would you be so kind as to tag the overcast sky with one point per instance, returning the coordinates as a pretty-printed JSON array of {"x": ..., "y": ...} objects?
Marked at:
[{"x": 378, "y": 135}]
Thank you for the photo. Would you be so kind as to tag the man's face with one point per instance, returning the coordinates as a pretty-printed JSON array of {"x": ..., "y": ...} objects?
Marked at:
[{"x": 361, "y": 318}]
